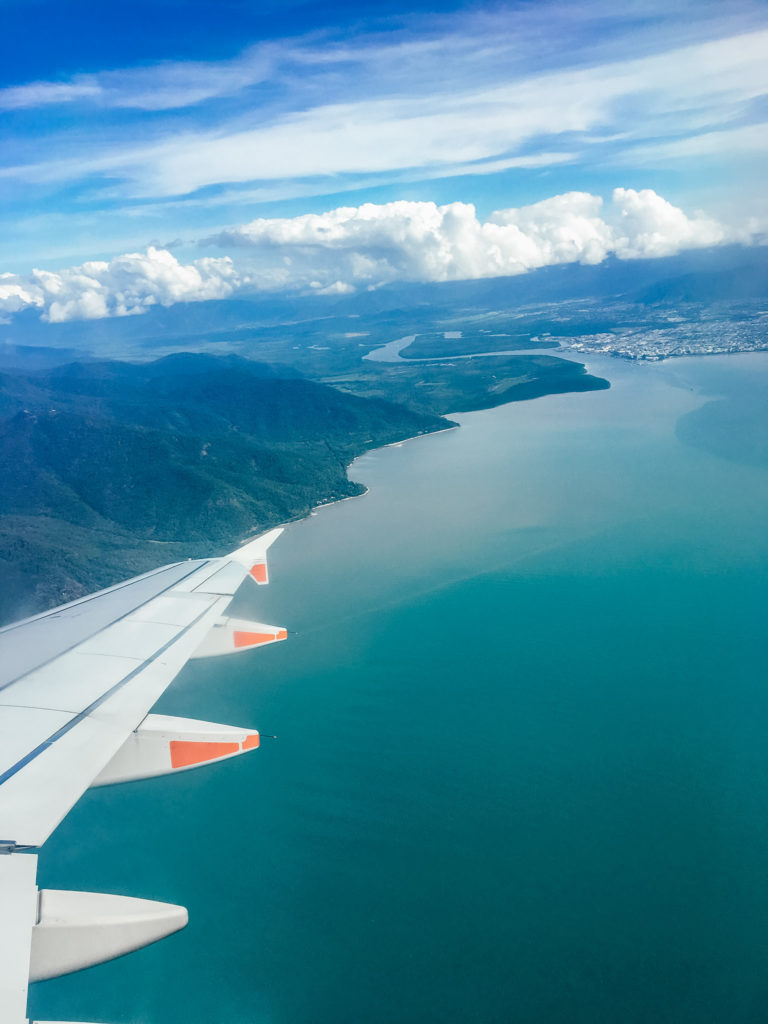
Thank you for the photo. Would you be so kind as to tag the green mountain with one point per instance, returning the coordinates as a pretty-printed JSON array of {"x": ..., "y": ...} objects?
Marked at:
[{"x": 112, "y": 468}]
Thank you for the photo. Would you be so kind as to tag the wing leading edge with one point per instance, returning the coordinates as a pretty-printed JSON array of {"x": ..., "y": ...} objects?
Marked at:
[{"x": 76, "y": 686}]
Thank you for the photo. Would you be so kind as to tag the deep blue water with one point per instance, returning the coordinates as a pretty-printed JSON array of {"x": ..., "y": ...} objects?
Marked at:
[{"x": 521, "y": 771}]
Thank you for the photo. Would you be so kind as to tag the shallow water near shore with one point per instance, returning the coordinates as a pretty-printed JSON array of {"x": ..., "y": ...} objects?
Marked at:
[{"x": 521, "y": 768}]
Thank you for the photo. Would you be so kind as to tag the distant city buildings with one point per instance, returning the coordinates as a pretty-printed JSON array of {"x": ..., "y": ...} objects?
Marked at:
[{"x": 688, "y": 331}]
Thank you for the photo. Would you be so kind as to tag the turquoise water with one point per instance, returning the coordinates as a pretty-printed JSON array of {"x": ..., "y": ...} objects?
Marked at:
[{"x": 522, "y": 765}]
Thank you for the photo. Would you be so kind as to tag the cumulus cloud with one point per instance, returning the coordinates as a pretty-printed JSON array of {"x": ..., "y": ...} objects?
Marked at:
[
  {"x": 635, "y": 225},
  {"x": 124, "y": 286},
  {"x": 645, "y": 225},
  {"x": 15, "y": 296},
  {"x": 374, "y": 244},
  {"x": 366, "y": 246}
]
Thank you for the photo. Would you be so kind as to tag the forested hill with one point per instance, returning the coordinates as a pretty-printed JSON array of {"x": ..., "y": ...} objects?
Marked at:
[{"x": 112, "y": 468}]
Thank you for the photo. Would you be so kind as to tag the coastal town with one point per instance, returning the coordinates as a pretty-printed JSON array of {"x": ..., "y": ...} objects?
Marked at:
[{"x": 686, "y": 331}]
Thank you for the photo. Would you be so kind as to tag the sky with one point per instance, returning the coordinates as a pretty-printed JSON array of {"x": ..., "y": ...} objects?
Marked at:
[{"x": 161, "y": 151}]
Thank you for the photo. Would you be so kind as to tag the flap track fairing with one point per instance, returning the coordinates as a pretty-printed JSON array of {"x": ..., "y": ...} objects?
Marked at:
[
  {"x": 229, "y": 636},
  {"x": 75, "y": 930},
  {"x": 163, "y": 745}
]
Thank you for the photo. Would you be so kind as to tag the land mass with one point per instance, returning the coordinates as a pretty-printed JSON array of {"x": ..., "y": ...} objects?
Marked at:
[
  {"x": 464, "y": 385},
  {"x": 501, "y": 338},
  {"x": 132, "y": 441},
  {"x": 111, "y": 468}
]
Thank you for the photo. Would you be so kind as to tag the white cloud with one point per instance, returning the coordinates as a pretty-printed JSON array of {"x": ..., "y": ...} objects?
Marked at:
[
  {"x": 370, "y": 245},
  {"x": 40, "y": 94},
  {"x": 337, "y": 288},
  {"x": 422, "y": 53},
  {"x": 746, "y": 142},
  {"x": 366, "y": 246},
  {"x": 475, "y": 100},
  {"x": 15, "y": 296},
  {"x": 124, "y": 286},
  {"x": 166, "y": 86},
  {"x": 645, "y": 225},
  {"x": 559, "y": 230}
]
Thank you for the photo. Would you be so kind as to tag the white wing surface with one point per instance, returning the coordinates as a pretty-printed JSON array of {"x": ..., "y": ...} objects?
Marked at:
[{"x": 76, "y": 687}]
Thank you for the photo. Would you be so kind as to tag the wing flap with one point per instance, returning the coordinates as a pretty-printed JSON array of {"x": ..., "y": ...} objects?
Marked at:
[
  {"x": 131, "y": 639},
  {"x": 30, "y": 644},
  {"x": 22, "y": 729},
  {"x": 177, "y": 608},
  {"x": 38, "y": 791},
  {"x": 223, "y": 580},
  {"x": 75, "y": 680},
  {"x": 71, "y": 683}
]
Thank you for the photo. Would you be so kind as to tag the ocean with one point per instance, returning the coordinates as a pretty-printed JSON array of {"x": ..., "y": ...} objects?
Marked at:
[{"x": 521, "y": 766}]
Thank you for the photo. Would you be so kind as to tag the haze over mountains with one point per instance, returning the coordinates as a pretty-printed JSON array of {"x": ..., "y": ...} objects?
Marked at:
[{"x": 720, "y": 273}]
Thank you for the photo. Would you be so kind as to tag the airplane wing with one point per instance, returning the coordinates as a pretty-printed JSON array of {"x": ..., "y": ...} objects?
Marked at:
[{"x": 76, "y": 687}]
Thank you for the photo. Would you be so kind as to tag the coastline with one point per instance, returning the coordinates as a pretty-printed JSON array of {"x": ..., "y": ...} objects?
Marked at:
[{"x": 369, "y": 451}]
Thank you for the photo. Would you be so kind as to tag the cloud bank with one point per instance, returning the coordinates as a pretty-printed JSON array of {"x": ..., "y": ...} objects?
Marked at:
[
  {"x": 368, "y": 246},
  {"x": 125, "y": 286},
  {"x": 373, "y": 244}
]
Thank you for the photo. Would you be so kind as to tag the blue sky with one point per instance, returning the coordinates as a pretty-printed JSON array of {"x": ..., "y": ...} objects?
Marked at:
[{"x": 164, "y": 123}]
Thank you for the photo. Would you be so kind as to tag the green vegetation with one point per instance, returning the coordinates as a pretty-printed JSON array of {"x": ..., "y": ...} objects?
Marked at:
[
  {"x": 467, "y": 384},
  {"x": 111, "y": 468}
]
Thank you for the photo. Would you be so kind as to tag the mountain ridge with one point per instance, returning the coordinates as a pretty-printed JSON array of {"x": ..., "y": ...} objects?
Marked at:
[{"x": 115, "y": 457}]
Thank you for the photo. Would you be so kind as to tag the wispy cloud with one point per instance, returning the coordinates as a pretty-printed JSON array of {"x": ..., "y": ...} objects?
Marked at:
[
  {"x": 40, "y": 94},
  {"x": 166, "y": 86},
  {"x": 665, "y": 96},
  {"x": 435, "y": 51},
  {"x": 749, "y": 140}
]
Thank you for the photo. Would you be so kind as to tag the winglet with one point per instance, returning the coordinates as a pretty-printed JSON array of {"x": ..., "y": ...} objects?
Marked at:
[{"x": 253, "y": 555}]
